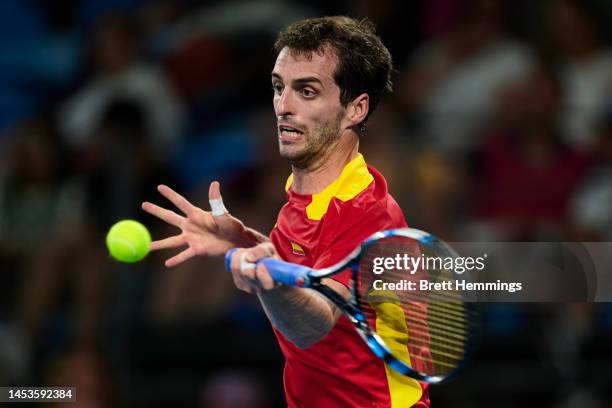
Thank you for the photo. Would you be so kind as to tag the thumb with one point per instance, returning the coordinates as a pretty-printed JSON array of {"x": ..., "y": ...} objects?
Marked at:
[
  {"x": 214, "y": 198},
  {"x": 214, "y": 191}
]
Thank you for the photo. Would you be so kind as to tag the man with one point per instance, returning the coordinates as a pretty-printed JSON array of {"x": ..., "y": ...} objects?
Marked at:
[{"x": 329, "y": 76}]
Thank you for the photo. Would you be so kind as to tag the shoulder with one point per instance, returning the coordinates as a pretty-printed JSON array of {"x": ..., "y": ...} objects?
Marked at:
[
  {"x": 371, "y": 210},
  {"x": 353, "y": 207}
]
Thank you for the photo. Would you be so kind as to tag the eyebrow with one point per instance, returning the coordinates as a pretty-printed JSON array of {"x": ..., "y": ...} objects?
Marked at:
[{"x": 304, "y": 80}]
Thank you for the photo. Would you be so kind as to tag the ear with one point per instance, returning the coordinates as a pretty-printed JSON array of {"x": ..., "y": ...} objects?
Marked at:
[{"x": 358, "y": 110}]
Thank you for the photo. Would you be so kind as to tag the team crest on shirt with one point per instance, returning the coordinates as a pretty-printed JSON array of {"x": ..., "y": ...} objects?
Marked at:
[{"x": 297, "y": 249}]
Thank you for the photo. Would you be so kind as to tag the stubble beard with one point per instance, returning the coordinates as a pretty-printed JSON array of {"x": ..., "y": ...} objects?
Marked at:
[{"x": 317, "y": 145}]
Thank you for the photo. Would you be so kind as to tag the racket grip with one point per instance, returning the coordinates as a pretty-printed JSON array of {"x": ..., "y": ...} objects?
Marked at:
[
  {"x": 286, "y": 273},
  {"x": 281, "y": 271}
]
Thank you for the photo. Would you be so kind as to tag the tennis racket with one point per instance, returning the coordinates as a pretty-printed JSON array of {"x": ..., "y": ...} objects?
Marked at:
[{"x": 423, "y": 333}]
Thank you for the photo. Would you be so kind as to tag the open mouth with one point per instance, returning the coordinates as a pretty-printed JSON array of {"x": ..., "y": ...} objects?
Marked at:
[{"x": 287, "y": 132}]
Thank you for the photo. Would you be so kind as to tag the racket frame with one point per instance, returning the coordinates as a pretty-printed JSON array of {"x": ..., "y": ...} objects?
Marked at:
[
  {"x": 312, "y": 278},
  {"x": 351, "y": 309}
]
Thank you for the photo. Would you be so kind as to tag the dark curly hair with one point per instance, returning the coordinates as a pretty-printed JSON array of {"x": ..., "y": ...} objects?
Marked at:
[{"x": 365, "y": 64}]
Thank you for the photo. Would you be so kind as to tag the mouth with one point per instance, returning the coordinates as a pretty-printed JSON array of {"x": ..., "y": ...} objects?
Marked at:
[{"x": 287, "y": 133}]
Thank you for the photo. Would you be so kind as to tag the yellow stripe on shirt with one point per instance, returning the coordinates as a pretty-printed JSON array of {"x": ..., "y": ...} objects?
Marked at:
[
  {"x": 391, "y": 327},
  {"x": 353, "y": 179}
]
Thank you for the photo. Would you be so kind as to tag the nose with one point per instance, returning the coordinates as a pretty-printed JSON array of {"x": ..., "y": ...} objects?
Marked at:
[{"x": 283, "y": 103}]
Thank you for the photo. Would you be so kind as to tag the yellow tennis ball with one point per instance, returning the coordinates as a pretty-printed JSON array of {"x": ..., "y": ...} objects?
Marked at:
[{"x": 128, "y": 241}]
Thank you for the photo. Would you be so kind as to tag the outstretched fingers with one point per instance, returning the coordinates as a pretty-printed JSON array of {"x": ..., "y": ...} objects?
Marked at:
[
  {"x": 180, "y": 258},
  {"x": 163, "y": 214},
  {"x": 170, "y": 242},
  {"x": 175, "y": 198}
]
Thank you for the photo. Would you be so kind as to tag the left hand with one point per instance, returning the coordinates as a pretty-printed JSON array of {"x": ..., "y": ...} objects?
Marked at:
[
  {"x": 249, "y": 279},
  {"x": 204, "y": 233}
]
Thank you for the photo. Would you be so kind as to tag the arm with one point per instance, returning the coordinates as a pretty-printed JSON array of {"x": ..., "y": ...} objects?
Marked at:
[
  {"x": 304, "y": 316},
  {"x": 203, "y": 232}
]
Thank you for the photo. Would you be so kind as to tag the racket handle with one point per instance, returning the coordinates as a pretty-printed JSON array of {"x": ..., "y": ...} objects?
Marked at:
[
  {"x": 287, "y": 273},
  {"x": 283, "y": 272}
]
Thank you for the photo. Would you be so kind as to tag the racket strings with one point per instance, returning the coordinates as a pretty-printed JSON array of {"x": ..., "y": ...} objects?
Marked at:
[
  {"x": 431, "y": 325},
  {"x": 445, "y": 350},
  {"x": 442, "y": 349},
  {"x": 436, "y": 366},
  {"x": 438, "y": 327},
  {"x": 455, "y": 325}
]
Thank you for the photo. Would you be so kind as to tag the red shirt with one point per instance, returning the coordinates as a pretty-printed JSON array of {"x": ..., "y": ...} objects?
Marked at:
[{"x": 317, "y": 231}]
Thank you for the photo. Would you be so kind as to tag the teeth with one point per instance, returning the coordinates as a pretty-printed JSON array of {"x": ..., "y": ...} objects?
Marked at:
[{"x": 285, "y": 129}]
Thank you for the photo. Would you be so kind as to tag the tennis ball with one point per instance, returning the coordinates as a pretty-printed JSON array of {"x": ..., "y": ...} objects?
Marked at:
[{"x": 128, "y": 241}]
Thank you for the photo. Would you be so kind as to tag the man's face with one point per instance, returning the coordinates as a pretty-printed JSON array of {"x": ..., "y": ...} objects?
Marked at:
[{"x": 307, "y": 106}]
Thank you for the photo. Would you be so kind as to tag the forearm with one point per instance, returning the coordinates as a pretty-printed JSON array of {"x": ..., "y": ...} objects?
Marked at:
[{"x": 302, "y": 315}]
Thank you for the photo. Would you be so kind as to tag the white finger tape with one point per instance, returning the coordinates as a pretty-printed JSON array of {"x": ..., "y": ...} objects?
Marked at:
[
  {"x": 217, "y": 207},
  {"x": 244, "y": 264}
]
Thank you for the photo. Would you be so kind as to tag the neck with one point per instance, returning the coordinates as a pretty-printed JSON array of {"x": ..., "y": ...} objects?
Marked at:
[{"x": 314, "y": 179}]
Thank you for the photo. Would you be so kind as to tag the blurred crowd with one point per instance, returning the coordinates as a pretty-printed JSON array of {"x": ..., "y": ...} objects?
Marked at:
[{"x": 500, "y": 128}]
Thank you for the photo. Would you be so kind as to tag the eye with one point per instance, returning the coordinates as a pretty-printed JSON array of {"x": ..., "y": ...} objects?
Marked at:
[
  {"x": 277, "y": 88},
  {"x": 308, "y": 93}
]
